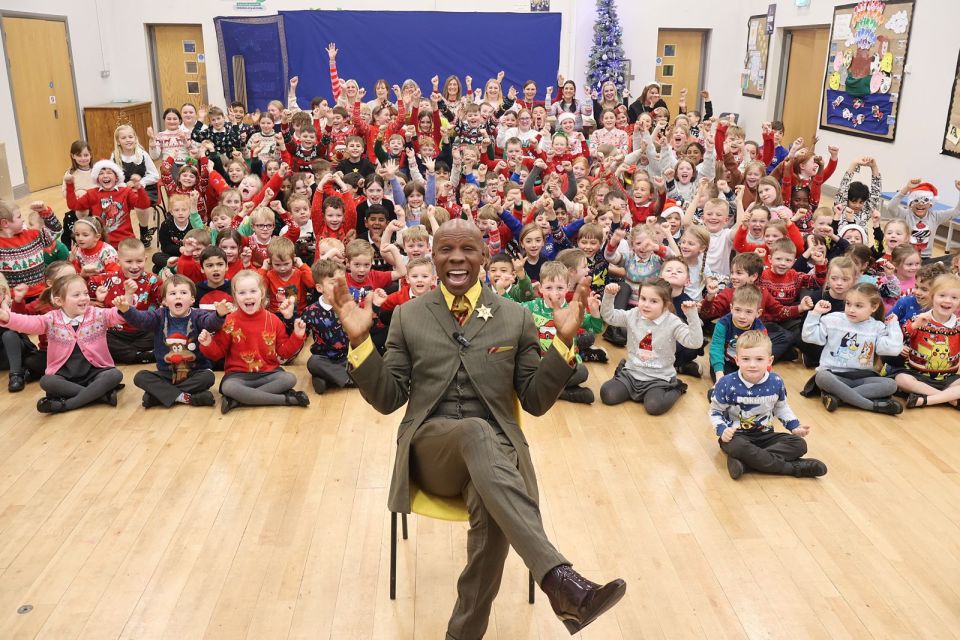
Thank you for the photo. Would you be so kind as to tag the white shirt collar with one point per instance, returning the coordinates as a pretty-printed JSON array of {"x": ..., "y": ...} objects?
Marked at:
[
  {"x": 324, "y": 304},
  {"x": 68, "y": 320},
  {"x": 750, "y": 385}
]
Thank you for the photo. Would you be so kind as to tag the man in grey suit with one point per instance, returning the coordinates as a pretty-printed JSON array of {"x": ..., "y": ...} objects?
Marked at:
[{"x": 460, "y": 357}]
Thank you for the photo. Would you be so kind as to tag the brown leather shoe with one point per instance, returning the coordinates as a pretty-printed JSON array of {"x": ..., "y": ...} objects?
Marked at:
[{"x": 576, "y": 600}]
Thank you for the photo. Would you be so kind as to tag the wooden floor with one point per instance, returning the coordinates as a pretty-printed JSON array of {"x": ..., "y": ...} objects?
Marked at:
[{"x": 272, "y": 523}]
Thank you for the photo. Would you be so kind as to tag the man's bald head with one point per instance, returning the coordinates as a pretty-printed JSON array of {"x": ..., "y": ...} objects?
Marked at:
[
  {"x": 459, "y": 226},
  {"x": 458, "y": 253}
]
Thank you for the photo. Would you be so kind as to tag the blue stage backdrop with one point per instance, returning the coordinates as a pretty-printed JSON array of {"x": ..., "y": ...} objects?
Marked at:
[
  {"x": 397, "y": 45},
  {"x": 261, "y": 43}
]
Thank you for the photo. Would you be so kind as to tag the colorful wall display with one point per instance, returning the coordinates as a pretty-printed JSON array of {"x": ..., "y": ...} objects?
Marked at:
[
  {"x": 754, "y": 75},
  {"x": 863, "y": 83}
]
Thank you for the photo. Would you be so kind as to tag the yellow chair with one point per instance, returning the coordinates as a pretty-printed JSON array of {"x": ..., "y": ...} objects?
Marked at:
[{"x": 439, "y": 508}]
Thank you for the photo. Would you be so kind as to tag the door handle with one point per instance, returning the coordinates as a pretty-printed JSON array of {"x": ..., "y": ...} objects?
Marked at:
[{"x": 56, "y": 114}]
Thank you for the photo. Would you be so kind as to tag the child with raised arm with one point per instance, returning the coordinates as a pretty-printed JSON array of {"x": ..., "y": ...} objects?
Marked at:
[
  {"x": 110, "y": 200},
  {"x": 554, "y": 286},
  {"x": 919, "y": 214},
  {"x": 328, "y": 353},
  {"x": 742, "y": 410},
  {"x": 653, "y": 332},
  {"x": 80, "y": 369},
  {"x": 183, "y": 374},
  {"x": 252, "y": 344},
  {"x": 22, "y": 249},
  {"x": 852, "y": 340}
]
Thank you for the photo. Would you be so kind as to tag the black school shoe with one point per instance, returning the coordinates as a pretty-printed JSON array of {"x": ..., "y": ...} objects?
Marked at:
[
  {"x": 594, "y": 354},
  {"x": 149, "y": 401},
  {"x": 888, "y": 406},
  {"x": 809, "y": 468},
  {"x": 17, "y": 382},
  {"x": 690, "y": 369},
  {"x": 297, "y": 399},
  {"x": 202, "y": 399},
  {"x": 228, "y": 404},
  {"x": 830, "y": 402},
  {"x": 735, "y": 468},
  {"x": 580, "y": 395},
  {"x": 50, "y": 404}
]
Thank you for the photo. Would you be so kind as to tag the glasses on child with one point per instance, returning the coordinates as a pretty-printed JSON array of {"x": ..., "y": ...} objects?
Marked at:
[{"x": 263, "y": 226}]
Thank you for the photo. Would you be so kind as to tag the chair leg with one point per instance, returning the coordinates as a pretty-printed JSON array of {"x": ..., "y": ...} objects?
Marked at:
[
  {"x": 531, "y": 592},
  {"x": 403, "y": 524},
  {"x": 393, "y": 556}
]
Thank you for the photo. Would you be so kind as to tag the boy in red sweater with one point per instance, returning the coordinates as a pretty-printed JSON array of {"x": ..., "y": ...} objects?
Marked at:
[
  {"x": 109, "y": 200},
  {"x": 361, "y": 277},
  {"x": 127, "y": 344},
  {"x": 746, "y": 268},
  {"x": 286, "y": 276},
  {"x": 420, "y": 279},
  {"x": 786, "y": 285}
]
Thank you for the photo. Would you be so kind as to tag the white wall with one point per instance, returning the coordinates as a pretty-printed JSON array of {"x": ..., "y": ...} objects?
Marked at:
[{"x": 926, "y": 96}]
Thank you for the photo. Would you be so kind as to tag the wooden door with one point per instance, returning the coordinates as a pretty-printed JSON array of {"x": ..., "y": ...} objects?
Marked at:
[
  {"x": 681, "y": 54},
  {"x": 804, "y": 83},
  {"x": 179, "y": 65},
  {"x": 41, "y": 78}
]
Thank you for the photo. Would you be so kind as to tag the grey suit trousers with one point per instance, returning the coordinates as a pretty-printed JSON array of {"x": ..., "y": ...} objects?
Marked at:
[{"x": 470, "y": 457}]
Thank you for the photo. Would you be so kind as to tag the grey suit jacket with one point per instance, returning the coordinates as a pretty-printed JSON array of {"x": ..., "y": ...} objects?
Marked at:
[{"x": 422, "y": 357}]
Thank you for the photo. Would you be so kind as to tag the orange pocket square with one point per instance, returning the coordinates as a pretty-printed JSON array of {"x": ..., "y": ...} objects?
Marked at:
[{"x": 493, "y": 350}]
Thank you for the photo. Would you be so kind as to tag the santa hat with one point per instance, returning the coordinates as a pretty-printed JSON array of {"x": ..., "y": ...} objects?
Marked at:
[
  {"x": 924, "y": 190},
  {"x": 671, "y": 207},
  {"x": 177, "y": 338},
  {"x": 566, "y": 115},
  {"x": 107, "y": 164},
  {"x": 847, "y": 227}
]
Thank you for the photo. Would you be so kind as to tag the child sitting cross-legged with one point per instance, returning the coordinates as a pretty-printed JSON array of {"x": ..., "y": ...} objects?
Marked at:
[
  {"x": 79, "y": 370},
  {"x": 328, "y": 353},
  {"x": 553, "y": 290},
  {"x": 252, "y": 344},
  {"x": 853, "y": 339},
  {"x": 183, "y": 374},
  {"x": 742, "y": 410},
  {"x": 744, "y": 316},
  {"x": 933, "y": 349},
  {"x": 653, "y": 331}
]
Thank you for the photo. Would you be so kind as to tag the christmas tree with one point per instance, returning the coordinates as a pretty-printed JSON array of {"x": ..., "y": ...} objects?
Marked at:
[{"x": 606, "y": 54}]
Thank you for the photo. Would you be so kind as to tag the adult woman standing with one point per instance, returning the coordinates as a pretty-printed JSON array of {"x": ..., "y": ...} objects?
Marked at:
[{"x": 648, "y": 101}]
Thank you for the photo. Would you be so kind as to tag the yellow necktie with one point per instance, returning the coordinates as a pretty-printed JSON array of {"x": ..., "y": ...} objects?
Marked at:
[{"x": 460, "y": 309}]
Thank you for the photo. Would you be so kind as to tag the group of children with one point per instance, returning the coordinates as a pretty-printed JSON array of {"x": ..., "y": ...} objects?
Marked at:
[{"x": 696, "y": 240}]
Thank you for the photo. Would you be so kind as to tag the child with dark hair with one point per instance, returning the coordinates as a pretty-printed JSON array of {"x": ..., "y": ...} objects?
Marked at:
[{"x": 858, "y": 197}]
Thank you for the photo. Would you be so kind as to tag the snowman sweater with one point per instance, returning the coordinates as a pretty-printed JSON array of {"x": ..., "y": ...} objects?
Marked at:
[{"x": 169, "y": 330}]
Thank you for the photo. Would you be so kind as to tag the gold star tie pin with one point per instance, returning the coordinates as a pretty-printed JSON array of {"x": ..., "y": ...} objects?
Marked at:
[{"x": 484, "y": 312}]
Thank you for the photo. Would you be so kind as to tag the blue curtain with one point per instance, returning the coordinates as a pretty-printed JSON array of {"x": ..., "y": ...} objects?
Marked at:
[
  {"x": 401, "y": 45},
  {"x": 262, "y": 44}
]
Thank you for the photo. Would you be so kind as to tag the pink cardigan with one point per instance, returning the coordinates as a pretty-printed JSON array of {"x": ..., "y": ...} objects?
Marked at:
[{"x": 91, "y": 335}]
